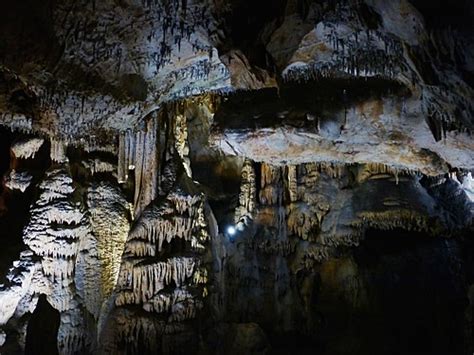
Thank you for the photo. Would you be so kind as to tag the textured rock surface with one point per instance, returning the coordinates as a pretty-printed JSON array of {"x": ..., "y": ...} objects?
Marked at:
[
  {"x": 18, "y": 181},
  {"x": 236, "y": 177},
  {"x": 379, "y": 131}
]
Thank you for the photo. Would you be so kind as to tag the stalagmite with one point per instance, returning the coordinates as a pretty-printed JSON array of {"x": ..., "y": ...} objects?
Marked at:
[
  {"x": 122, "y": 172},
  {"x": 109, "y": 224},
  {"x": 172, "y": 287},
  {"x": 20, "y": 280},
  {"x": 58, "y": 238}
]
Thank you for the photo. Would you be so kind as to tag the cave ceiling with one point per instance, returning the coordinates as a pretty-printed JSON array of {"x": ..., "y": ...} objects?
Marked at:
[
  {"x": 141, "y": 138},
  {"x": 343, "y": 76}
]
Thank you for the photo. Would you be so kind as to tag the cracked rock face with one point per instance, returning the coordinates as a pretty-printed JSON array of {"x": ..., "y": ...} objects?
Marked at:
[{"x": 233, "y": 177}]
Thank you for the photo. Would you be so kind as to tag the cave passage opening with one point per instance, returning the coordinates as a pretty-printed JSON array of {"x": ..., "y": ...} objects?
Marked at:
[{"x": 42, "y": 329}]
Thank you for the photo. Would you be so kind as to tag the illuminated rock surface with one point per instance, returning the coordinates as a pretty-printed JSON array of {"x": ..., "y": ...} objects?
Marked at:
[{"x": 236, "y": 177}]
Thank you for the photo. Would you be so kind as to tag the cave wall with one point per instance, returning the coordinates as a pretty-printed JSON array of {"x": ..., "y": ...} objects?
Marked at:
[{"x": 228, "y": 177}]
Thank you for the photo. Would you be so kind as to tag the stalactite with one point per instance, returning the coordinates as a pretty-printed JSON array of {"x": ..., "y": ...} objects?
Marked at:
[
  {"x": 154, "y": 276},
  {"x": 247, "y": 196},
  {"x": 399, "y": 218},
  {"x": 292, "y": 183},
  {"x": 163, "y": 302},
  {"x": 107, "y": 146},
  {"x": 27, "y": 148},
  {"x": 58, "y": 151},
  {"x": 273, "y": 246},
  {"x": 178, "y": 218},
  {"x": 98, "y": 166},
  {"x": 181, "y": 141},
  {"x": 271, "y": 191},
  {"x": 146, "y": 163},
  {"x": 52, "y": 209},
  {"x": 302, "y": 222},
  {"x": 335, "y": 170},
  {"x": 362, "y": 53},
  {"x": 141, "y": 282},
  {"x": 377, "y": 170},
  {"x": 126, "y": 155}
]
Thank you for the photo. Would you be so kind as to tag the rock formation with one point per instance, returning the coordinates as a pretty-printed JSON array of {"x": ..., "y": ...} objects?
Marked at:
[{"x": 236, "y": 177}]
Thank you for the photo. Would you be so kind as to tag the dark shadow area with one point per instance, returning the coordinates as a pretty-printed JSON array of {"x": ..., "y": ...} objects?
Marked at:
[
  {"x": 244, "y": 24},
  {"x": 416, "y": 291},
  {"x": 15, "y": 205},
  {"x": 5, "y": 143},
  {"x": 437, "y": 14},
  {"x": 291, "y": 105},
  {"x": 399, "y": 292},
  {"x": 406, "y": 294},
  {"x": 42, "y": 330},
  {"x": 10, "y": 245},
  {"x": 27, "y": 32}
]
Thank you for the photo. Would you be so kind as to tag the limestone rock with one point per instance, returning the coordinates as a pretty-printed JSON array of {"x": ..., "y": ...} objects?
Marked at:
[
  {"x": 18, "y": 180},
  {"x": 27, "y": 148}
]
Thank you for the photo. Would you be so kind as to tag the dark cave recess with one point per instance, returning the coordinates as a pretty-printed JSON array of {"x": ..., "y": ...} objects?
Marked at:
[
  {"x": 14, "y": 205},
  {"x": 42, "y": 330},
  {"x": 291, "y": 104},
  {"x": 399, "y": 292}
]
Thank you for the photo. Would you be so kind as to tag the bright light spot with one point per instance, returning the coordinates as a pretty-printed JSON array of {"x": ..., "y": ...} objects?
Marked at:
[
  {"x": 240, "y": 226},
  {"x": 231, "y": 230}
]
